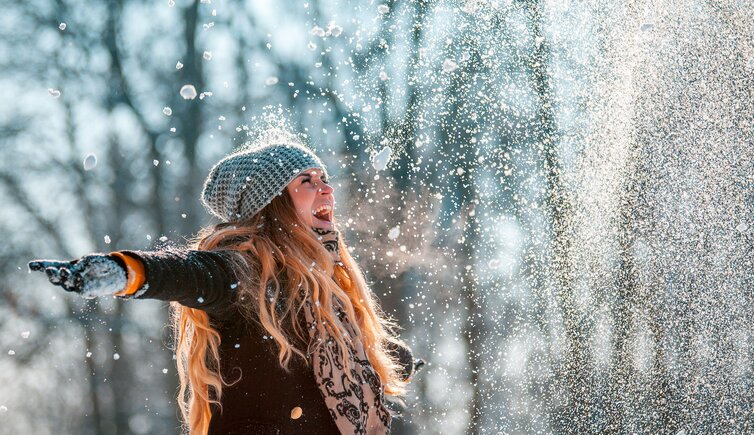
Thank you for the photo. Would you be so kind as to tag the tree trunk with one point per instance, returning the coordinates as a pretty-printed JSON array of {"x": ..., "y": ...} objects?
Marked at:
[{"x": 573, "y": 373}]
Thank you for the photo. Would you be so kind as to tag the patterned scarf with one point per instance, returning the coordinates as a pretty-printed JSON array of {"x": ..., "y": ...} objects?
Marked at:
[{"x": 356, "y": 408}]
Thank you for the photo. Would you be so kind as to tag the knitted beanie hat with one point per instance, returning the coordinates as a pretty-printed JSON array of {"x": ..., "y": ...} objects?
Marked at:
[{"x": 243, "y": 183}]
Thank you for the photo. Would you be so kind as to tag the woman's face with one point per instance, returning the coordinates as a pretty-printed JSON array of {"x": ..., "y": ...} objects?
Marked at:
[{"x": 313, "y": 198}]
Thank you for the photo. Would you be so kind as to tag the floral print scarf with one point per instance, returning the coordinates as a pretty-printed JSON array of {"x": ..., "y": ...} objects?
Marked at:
[{"x": 356, "y": 407}]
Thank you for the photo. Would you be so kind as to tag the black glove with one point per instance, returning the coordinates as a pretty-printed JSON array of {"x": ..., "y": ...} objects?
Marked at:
[{"x": 90, "y": 276}]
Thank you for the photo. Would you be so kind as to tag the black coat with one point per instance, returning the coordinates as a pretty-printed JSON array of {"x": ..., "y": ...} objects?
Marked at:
[{"x": 262, "y": 400}]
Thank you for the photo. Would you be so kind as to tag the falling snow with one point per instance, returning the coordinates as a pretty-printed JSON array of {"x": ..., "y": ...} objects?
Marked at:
[
  {"x": 382, "y": 158},
  {"x": 449, "y": 65},
  {"x": 188, "y": 92},
  {"x": 90, "y": 162},
  {"x": 553, "y": 199},
  {"x": 394, "y": 232}
]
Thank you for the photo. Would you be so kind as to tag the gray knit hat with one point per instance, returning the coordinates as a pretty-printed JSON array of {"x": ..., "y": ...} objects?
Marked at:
[{"x": 243, "y": 183}]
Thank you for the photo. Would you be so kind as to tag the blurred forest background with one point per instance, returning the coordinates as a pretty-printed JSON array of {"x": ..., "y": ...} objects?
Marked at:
[{"x": 554, "y": 198}]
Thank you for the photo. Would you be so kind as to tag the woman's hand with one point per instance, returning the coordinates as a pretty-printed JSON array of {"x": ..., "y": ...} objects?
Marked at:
[{"x": 90, "y": 276}]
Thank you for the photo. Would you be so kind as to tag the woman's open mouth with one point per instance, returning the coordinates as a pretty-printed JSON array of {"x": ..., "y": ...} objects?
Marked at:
[{"x": 323, "y": 213}]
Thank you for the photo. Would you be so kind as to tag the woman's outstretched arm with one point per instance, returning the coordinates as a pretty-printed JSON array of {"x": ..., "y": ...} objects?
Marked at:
[{"x": 196, "y": 279}]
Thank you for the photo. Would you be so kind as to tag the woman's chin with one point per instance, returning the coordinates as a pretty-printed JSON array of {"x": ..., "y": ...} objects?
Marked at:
[{"x": 323, "y": 224}]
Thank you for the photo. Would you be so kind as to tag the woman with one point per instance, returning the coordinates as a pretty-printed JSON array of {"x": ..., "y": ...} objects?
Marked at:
[{"x": 276, "y": 328}]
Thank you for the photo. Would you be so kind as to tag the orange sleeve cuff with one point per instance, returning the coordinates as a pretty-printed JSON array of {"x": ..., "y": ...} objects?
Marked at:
[{"x": 135, "y": 274}]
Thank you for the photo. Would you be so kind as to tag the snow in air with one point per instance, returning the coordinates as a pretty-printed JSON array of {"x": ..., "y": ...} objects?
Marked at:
[{"x": 188, "y": 92}]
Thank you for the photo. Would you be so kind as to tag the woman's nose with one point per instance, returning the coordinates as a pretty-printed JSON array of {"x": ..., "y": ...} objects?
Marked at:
[{"x": 325, "y": 189}]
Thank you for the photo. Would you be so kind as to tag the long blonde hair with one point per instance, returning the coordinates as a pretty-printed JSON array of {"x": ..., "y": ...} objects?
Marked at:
[{"x": 276, "y": 243}]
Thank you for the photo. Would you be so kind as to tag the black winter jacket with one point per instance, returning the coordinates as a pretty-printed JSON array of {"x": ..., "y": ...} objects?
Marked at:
[{"x": 264, "y": 396}]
